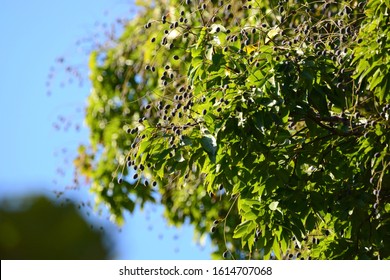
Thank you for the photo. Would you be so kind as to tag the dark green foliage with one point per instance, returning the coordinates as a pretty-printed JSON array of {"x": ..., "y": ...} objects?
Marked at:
[
  {"x": 35, "y": 228},
  {"x": 284, "y": 104}
]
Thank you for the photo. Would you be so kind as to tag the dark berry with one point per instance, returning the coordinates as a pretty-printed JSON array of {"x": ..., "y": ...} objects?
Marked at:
[{"x": 164, "y": 41}]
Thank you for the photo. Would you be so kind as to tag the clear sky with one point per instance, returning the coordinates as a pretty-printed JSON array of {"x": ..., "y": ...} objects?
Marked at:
[{"x": 39, "y": 133}]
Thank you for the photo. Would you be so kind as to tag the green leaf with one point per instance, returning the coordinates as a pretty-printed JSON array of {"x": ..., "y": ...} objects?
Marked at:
[
  {"x": 143, "y": 146},
  {"x": 186, "y": 140},
  {"x": 284, "y": 114},
  {"x": 257, "y": 78},
  {"x": 209, "y": 144},
  {"x": 201, "y": 37},
  {"x": 209, "y": 53},
  {"x": 251, "y": 242},
  {"x": 217, "y": 61},
  {"x": 376, "y": 79},
  {"x": 241, "y": 229},
  {"x": 272, "y": 33},
  {"x": 310, "y": 222},
  {"x": 274, "y": 205},
  {"x": 317, "y": 99},
  {"x": 276, "y": 249}
]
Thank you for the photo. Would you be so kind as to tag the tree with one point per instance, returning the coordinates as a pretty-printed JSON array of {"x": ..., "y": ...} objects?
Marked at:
[
  {"x": 263, "y": 123},
  {"x": 34, "y": 228}
]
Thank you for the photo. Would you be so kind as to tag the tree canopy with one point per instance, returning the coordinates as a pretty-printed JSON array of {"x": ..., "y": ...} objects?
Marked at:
[
  {"x": 35, "y": 228},
  {"x": 263, "y": 123}
]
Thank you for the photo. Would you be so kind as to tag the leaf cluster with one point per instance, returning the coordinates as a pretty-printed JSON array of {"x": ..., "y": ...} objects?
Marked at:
[{"x": 263, "y": 123}]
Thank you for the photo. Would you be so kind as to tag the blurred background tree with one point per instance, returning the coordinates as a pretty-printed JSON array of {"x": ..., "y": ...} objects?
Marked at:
[{"x": 36, "y": 228}]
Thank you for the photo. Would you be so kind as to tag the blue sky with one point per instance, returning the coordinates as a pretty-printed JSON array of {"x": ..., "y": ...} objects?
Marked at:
[{"x": 35, "y": 156}]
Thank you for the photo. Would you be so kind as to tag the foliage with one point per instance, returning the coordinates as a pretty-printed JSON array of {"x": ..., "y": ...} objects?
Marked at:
[
  {"x": 264, "y": 123},
  {"x": 34, "y": 228}
]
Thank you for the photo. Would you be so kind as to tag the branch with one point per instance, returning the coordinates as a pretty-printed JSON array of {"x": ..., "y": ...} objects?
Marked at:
[{"x": 319, "y": 120}]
